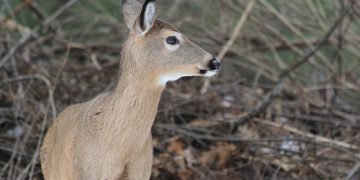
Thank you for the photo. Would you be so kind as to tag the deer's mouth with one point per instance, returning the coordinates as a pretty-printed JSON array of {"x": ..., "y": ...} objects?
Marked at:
[
  {"x": 207, "y": 73},
  {"x": 213, "y": 66},
  {"x": 203, "y": 71}
]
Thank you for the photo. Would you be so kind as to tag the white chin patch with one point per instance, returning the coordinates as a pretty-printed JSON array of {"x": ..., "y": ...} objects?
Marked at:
[
  {"x": 171, "y": 77},
  {"x": 210, "y": 73}
]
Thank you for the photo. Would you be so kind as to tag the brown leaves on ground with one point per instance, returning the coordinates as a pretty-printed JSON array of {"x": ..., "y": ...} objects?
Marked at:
[
  {"x": 218, "y": 154},
  {"x": 180, "y": 160}
]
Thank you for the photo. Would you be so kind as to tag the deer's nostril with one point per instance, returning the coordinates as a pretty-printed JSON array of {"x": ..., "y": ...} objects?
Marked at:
[{"x": 214, "y": 64}]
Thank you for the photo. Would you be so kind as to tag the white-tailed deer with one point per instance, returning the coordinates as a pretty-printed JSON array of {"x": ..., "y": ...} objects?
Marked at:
[{"x": 109, "y": 137}]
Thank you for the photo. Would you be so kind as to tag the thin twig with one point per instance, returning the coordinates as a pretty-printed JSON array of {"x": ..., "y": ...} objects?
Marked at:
[
  {"x": 237, "y": 29},
  {"x": 30, "y": 167},
  {"x": 353, "y": 171},
  {"x": 323, "y": 41},
  {"x": 232, "y": 39},
  {"x": 36, "y": 77},
  {"x": 201, "y": 134},
  {"x": 18, "y": 9},
  {"x": 285, "y": 75},
  {"x": 34, "y": 32},
  {"x": 314, "y": 137}
]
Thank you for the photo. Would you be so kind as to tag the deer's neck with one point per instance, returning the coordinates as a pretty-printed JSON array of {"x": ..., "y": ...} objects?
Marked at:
[{"x": 135, "y": 99}]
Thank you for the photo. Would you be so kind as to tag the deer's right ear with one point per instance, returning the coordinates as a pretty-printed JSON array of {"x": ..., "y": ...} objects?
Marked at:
[
  {"x": 130, "y": 12},
  {"x": 147, "y": 16}
]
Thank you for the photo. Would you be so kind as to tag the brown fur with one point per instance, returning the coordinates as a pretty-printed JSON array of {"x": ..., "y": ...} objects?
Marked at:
[{"x": 109, "y": 137}]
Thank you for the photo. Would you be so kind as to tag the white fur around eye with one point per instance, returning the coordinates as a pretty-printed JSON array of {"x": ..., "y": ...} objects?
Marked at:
[
  {"x": 171, "y": 47},
  {"x": 176, "y": 46}
]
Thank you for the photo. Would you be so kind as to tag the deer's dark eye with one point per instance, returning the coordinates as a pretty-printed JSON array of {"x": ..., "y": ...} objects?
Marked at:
[{"x": 172, "y": 40}]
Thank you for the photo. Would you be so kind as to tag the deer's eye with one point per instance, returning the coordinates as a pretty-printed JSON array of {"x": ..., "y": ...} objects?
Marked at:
[{"x": 172, "y": 40}]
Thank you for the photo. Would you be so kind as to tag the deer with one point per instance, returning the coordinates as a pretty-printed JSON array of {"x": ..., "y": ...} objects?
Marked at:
[{"x": 109, "y": 137}]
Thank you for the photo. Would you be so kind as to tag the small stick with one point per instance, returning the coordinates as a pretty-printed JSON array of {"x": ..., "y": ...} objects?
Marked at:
[
  {"x": 316, "y": 138},
  {"x": 355, "y": 169},
  {"x": 278, "y": 89},
  {"x": 18, "y": 9},
  {"x": 33, "y": 33},
  {"x": 232, "y": 39},
  {"x": 40, "y": 78}
]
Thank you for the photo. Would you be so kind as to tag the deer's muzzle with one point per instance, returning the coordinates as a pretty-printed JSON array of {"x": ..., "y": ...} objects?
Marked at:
[{"x": 214, "y": 64}]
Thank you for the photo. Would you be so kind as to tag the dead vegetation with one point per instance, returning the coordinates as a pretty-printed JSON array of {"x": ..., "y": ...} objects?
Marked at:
[{"x": 285, "y": 106}]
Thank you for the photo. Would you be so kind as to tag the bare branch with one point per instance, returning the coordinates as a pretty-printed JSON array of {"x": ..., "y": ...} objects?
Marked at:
[
  {"x": 278, "y": 89},
  {"x": 34, "y": 32}
]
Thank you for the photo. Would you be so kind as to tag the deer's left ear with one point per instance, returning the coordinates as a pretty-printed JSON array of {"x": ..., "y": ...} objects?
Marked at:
[{"x": 147, "y": 16}]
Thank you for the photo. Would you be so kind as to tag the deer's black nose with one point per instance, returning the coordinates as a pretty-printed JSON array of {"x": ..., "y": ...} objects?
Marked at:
[{"x": 214, "y": 64}]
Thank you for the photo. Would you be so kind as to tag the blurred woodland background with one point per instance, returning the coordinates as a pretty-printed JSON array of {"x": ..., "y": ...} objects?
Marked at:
[{"x": 286, "y": 104}]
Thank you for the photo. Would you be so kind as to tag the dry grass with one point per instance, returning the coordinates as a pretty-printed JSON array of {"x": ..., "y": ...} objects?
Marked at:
[{"x": 285, "y": 106}]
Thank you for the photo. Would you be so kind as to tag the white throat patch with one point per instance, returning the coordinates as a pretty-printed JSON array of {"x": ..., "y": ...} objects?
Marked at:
[
  {"x": 210, "y": 73},
  {"x": 163, "y": 79}
]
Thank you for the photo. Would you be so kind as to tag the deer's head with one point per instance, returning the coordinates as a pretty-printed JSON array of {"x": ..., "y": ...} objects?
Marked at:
[{"x": 159, "y": 49}]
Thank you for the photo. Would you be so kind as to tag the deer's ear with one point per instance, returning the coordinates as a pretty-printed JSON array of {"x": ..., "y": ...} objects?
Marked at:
[
  {"x": 130, "y": 12},
  {"x": 147, "y": 16}
]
